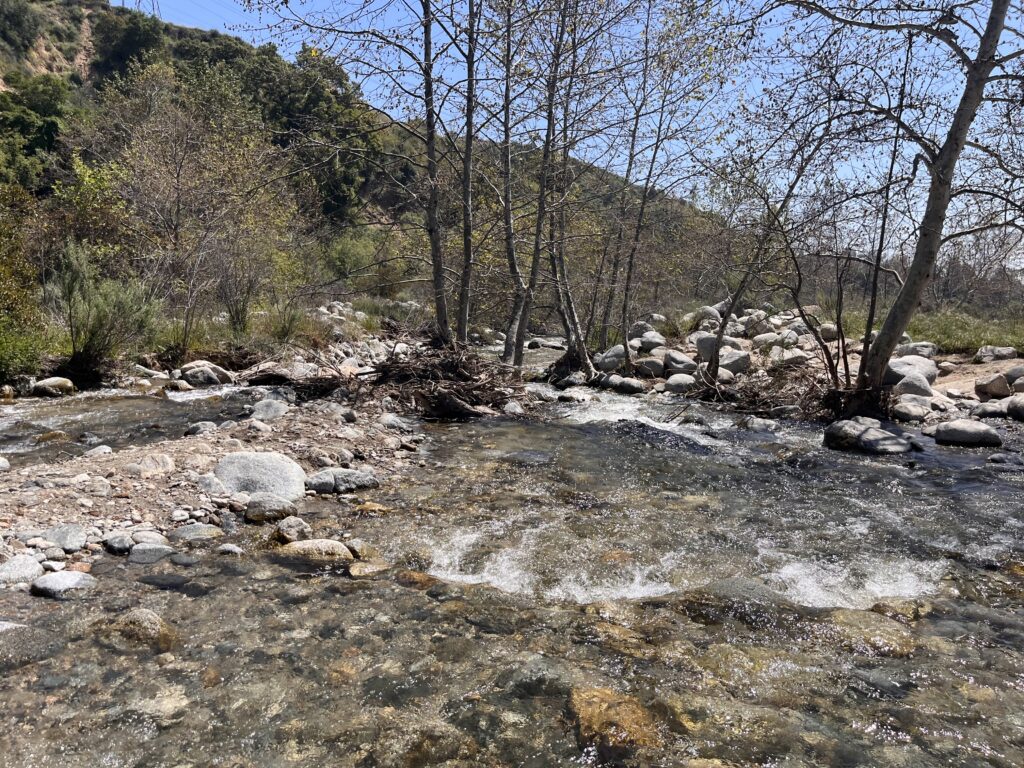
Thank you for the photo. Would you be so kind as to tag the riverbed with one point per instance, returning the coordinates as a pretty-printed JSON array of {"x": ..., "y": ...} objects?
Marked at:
[{"x": 623, "y": 580}]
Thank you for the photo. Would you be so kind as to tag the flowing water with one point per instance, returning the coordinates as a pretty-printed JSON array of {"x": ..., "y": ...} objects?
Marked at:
[{"x": 713, "y": 576}]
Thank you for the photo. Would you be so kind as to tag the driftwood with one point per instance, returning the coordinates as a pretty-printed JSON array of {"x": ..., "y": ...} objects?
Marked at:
[{"x": 448, "y": 382}]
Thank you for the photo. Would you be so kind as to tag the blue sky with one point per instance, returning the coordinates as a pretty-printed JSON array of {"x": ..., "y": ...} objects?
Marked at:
[{"x": 224, "y": 15}]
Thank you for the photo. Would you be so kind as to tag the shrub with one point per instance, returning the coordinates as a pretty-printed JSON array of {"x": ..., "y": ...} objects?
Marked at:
[
  {"x": 102, "y": 317},
  {"x": 20, "y": 24}
]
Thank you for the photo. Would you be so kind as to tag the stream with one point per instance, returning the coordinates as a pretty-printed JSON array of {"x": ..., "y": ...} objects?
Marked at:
[{"x": 716, "y": 577}]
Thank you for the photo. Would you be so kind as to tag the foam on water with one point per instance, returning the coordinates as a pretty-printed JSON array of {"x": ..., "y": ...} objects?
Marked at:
[{"x": 859, "y": 584}]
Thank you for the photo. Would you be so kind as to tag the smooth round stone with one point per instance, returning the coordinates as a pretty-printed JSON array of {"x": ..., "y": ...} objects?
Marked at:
[
  {"x": 62, "y": 585},
  {"x": 20, "y": 568},
  {"x": 147, "y": 554}
]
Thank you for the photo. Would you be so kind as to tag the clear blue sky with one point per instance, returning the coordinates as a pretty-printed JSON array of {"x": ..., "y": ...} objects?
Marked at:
[{"x": 223, "y": 15}]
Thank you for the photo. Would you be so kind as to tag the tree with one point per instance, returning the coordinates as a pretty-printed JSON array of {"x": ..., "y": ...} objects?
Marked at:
[{"x": 957, "y": 123}]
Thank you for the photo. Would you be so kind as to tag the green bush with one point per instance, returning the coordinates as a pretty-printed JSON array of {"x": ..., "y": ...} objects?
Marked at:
[
  {"x": 954, "y": 332},
  {"x": 21, "y": 348},
  {"x": 20, "y": 24},
  {"x": 103, "y": 318}
]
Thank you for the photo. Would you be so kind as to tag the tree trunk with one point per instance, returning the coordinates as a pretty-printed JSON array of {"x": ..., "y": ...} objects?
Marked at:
[
  {"x": 431, "y": 217},
  {"x": 939, "y": 193},
  {"x": 462, "y": 327}
]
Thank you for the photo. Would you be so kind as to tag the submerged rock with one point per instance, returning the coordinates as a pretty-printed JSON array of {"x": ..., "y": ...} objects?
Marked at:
[
  {"x": 614, "y": 724},
  {"x": 870, "y": 633},
  {"x": 866, "y": 436}
]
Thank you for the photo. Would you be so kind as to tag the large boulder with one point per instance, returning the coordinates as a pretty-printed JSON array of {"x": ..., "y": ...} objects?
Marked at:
[
  {"x": 1015, "y": 374},
  {"x": 918, "y": 348},
  {"x": 901, "y": 367},
  {"x": 55, "y": 386},
  {"x": 203, "y": 373},
  {"x": 678, "y": 362},
  {"x": 910, "y": 412},
  {"x": 680, "y": 383},
  {"x": 766, "y": 340},
  {"x": 968, "y": 433},
  {"x": 995, "y": 386},
  {"x": 651, "y": 340},
  {"x": 734, "y": 360},
  {"x": 268, "y": 410},
  {"x": 274, "y": 473},
  {"x": 610, "y": 359},
  {"x": 829, "y": 331},
  {"x": 988, "y": 354},
  {"x": 650, "y": 366},
  {"x": 866, "y": 436},
  {"x": 19, "y": 569},
  {"x": 638, "y": 329},
  {"x": 913, "y": 383},
  {"x": 781, "y": 357},
  {"x": 1015, "y": 407},
  {"x": 705, "y": 343}
]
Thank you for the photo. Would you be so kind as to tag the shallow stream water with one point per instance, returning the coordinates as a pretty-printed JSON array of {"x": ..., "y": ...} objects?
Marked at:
[{"x": 713, "y": 576}]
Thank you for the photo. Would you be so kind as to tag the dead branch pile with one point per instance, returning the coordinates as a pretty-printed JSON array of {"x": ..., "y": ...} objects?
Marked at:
[
  {"x": 805, "y": 389},
  {"x": 449, "y": 382}
]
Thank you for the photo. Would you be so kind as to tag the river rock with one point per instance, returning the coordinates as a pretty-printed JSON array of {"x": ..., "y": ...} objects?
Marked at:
[
  {"x": 863, "y": 435},
  {"x": 612, "y": 723},
  {"x": 782, "y": 357},
  {"x": 993, "y": 409},
  {"x": 743, "y": 599},
  {"x": 680, "y": 383},
  {"x": 21, "y": 645},
  {"x": 904, "y": 411},
  {"x": 147, "y": 554},
  {"x": 203, "y": 373},
  {"x": 201, "y": 428},
  {"x": 611, "y": 358},
  {"x": 70, "y": 538},
  {"x": 901, "y": 367},
  {"x": 734, "y": 360},
  {"x": 250, "y": 472},
  {"x": 829, "y": 331},
  {"x": 55, "y": 386},
  {"x": 630, "y": 386},
  {"x": 142, "y": 625},
  {"x": 651, "y": 340},
  {"x": 995, "y": 385},
  {"x": 917, "y": 348},
  {"x": 967, "y": 433},
  {"x": 914, "y": 383},
  {"x": 292, "y": 529},
  {"x": 766, "y": 340},
  {"x": 151, "y": 465},
  {"x": 705, "y": 343},
  {"x": 63, "y": 584},
  {"x": 318, "y": 549},
  {"x": 118, "y": 544},
  {"x": 20, "y": 569},
  {"x": 678, "y": 362},
  {"x": 988, "y": 354},
  {"x": 269, "y": 410},
  {"x": 266, "y": 507},
  {"x": 1015, "y": 407},
  {"x": 638, "y": 329},
  {"x": 194, "y": 532},
  {"x": 870, "y": 633},
  {"x": 651, "y": 367},
  {"x": 338, "y": 480}
]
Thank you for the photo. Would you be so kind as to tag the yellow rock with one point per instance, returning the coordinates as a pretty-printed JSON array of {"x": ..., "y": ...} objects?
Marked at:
[{"x": 613, "y": 723}]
